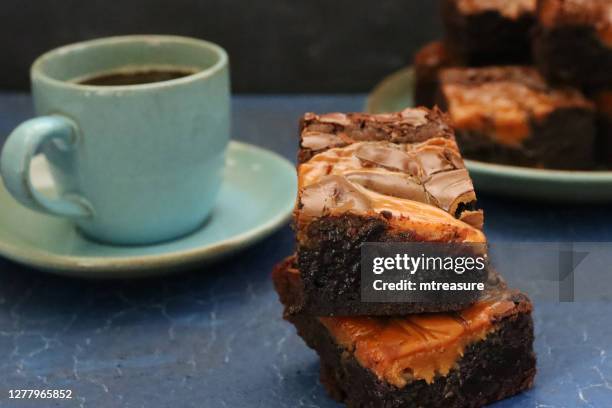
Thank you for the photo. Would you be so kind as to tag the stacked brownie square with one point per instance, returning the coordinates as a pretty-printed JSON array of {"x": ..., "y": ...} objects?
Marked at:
[
  {"x": 573, "y": 46},
  {"x": 511, "y": 115},
  {"x": 533, "y": 70},
  {"x": 477, "y": 33},
  {"x": 396, "y": 177},
  {"x": 573, "y": 42},
  {"x": 485, "y": 32}
]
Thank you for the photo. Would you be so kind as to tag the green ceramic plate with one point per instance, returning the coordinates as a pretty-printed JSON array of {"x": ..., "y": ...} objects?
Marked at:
[
  {"x": 249, "y": 207},
  {"x": 395, "y": 92}
]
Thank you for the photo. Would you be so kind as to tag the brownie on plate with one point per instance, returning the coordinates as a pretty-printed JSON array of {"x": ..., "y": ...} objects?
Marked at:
[
  {"x": 511, "y": 115},
  {"x": 428, "y": 62},
  {"x": 469, "y": 358},
  {"x": 395, "y": 177},
  {"x": 573, "y": 44},
  {"x": 485, "y": 32}
]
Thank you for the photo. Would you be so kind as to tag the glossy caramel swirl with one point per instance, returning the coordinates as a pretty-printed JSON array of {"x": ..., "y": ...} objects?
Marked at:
[
  {"x": 420, "y": 186},
  {"x": 416, "y": 347},
  {"x": 503, "y": 102}
]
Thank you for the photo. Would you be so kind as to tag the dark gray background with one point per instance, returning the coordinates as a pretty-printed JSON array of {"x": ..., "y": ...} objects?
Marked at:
[{"x": 274, "y": 45}]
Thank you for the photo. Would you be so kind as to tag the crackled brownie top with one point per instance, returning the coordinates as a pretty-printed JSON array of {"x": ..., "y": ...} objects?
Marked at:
[
  {"x": 321, "y": 132},
  {"x": 421, "y": 346},
  {"x": 512, "y": 9},
  {"x": 592, "y": 13},
  {"x": 503, "y": 101}
]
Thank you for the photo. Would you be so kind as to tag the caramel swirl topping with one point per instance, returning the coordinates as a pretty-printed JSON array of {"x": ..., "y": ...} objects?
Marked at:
[
  {"x": 416, "y": 347},
  {"x": 406, "y": 180},
  {"x": 503, "y": 102}
]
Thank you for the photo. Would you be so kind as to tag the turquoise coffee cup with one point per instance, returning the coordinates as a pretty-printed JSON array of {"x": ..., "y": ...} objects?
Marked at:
[{"x": 133, "y": 164}]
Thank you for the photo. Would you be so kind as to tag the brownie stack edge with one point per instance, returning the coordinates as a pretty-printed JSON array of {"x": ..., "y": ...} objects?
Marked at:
[
  {"x": 567, "y": 46},
  {"x": 395, "y": 177}
]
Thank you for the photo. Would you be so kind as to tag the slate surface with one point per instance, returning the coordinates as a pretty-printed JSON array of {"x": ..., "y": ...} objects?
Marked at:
[{"x": 214, "y": 337}]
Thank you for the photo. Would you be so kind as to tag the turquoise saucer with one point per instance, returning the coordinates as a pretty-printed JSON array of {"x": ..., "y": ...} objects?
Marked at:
[
  {"x": 394, "y": 93},
  {"x": 257, "y": 198}
]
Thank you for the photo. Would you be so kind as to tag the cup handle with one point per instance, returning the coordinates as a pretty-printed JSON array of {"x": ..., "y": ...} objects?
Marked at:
[{"x": 25, "y": 142}]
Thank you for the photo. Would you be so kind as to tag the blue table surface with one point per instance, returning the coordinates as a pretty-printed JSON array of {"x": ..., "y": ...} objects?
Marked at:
[{"x": 214, "y": 337}]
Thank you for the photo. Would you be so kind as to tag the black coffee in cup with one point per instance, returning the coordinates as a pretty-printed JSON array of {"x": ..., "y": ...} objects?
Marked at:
[{"x": 136, "y": 77}]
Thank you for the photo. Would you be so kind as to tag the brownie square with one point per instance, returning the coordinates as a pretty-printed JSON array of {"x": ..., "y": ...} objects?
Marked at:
[
  {"x": 573, "y": 44},
  {"x": 464, "y": 359},
  {"x": 428, "y": 62},
  {"x": 487, "y": 32},
  {"x": 395, "y": 177},
  {"x": 511, "y": 115}
]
